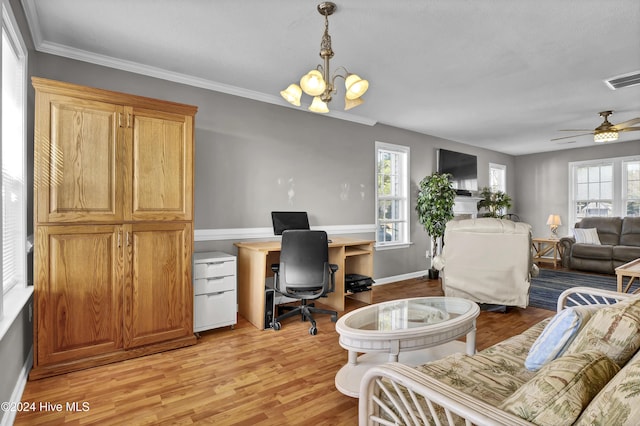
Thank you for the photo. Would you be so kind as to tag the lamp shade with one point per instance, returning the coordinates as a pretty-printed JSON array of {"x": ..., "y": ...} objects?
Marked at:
[
  {"x": 318, "y": 106},
  {"x": 292, "y": 94},
  {"x": 605, "y": 136},
  {"x": 312, "y": 83},
  {"x": 554, "y": 220},
  {"x": 355, "y": 86}
]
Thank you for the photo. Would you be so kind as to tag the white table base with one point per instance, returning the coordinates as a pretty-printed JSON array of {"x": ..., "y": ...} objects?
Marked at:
[{"x": 349, "y": 376}]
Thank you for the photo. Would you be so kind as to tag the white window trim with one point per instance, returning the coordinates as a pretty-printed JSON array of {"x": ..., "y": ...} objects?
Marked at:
[
  {"x": 406, "y": 240},
  {"x": 502, "y": 167},
  {"x": 618, "y": 180},
  {"x": 17, "y": 296}
]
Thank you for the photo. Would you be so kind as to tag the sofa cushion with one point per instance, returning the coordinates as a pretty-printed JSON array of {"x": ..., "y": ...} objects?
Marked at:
[
  {"x": 624, "y": 254},
  {"x": 609, "y": 228},
  {"x": 586, "y": 236},
  {"x": 619, "y": 401},
  {"x": 615, "y": 331},
  {"x": 592, "y": 251},
  {"x": 557, "y": 335},
  {"x": 562, "y": 389},
  {"x": 492, "y": 374},
  {"x": 630, "y": 234}
]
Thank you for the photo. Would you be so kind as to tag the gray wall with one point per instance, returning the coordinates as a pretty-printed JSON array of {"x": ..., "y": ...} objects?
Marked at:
[
  {"x": 250, "y": 154},
  {"x": 542, "y": 182}
]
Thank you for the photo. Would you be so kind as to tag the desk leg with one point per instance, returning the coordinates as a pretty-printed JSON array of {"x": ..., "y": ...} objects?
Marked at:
[{"x": 471, "y": 340}]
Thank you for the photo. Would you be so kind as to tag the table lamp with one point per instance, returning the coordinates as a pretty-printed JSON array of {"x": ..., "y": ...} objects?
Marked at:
[{"x": 554, "y": 221}]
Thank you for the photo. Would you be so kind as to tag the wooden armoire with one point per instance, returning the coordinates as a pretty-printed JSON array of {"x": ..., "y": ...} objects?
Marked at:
[{"x": 113, "y": 212}]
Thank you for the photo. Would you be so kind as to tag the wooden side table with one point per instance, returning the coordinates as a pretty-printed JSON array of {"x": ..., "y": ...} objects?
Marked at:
[
  {"x": 547, "y": 250},
  {"x": 630, "y": 270}
]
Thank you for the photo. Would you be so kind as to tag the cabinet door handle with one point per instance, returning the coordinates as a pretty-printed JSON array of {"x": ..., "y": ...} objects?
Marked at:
[
  {"x": 128, "y": 120},
  {"x": 119, "y": 239},
  {"x": 128, "y": 239}
]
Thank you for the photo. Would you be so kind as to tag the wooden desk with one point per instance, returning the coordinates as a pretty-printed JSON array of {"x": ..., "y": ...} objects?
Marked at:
[
  {"x": 545, "y": 246},
  {"x": 353, "y": 256},
  {"x": 631, "y": 270}
]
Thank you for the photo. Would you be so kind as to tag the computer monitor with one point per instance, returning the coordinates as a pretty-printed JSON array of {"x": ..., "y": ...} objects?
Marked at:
[{"x": 289, "y": 220}]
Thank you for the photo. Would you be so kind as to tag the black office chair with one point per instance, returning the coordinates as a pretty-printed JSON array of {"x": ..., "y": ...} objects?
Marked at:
[{"x": 304, "y": 273}]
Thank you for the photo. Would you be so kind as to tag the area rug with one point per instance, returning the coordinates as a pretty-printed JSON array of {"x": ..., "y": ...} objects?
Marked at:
[{"x": 547, "y": 286}]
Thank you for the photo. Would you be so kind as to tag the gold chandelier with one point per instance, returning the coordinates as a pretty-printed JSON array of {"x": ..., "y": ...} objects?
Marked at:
[{"x": 317, "y": 82}]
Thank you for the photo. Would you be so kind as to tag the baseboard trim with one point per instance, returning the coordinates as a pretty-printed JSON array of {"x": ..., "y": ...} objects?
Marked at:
[
  {"x": 402, "y": 277},
  {"x": 256, "y": 233},
  {"x": 9, "y": 416}
]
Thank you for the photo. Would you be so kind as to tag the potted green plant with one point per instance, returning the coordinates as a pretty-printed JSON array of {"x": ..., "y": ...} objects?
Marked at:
[
  {"x": 494, "y": 202},
  {"x": 434, "y": 205}
]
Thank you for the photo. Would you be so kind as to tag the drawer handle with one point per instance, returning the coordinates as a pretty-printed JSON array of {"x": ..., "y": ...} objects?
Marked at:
[
  {"x": 215, "y": 278},
  {"x": 216, "y": 294},
  {"x": 215, "y": 263}
]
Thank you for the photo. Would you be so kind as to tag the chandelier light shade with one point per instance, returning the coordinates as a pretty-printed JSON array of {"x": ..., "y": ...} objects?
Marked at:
[
  {"x": 292, "y": 94},
  {"x": 319, "y": 82},
  {"x": 605, "y": 136}
]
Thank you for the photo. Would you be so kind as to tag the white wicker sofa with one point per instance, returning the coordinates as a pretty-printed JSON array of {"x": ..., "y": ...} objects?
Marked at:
[{"x": 596, "y": 381}]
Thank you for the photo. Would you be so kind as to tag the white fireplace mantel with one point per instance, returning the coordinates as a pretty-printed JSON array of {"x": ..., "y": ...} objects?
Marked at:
[{"x": 466, "y": 206}]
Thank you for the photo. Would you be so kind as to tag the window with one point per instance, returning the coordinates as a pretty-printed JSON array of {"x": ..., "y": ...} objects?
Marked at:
[
  {"x": 631, "y": 188},
  {"x": 497, "y": 177},
  {"x": 392, "y": 201},
  {"x": 609, "y": 187},
  {"x": 13, "y": 154}
]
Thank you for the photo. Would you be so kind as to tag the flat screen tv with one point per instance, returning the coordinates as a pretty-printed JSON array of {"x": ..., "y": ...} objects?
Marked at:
[
  {"x": 289, "y": 220},
  {"x": 462, "y": 167}
]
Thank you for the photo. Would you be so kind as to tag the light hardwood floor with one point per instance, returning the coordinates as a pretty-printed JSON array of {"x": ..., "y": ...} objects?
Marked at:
[{"x": 241, "y": 376}]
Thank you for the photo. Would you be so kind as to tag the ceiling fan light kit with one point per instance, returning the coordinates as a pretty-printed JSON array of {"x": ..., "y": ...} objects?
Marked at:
[
  {"x": 319, "y": 82},
  {"x": 606, "y": 132}
]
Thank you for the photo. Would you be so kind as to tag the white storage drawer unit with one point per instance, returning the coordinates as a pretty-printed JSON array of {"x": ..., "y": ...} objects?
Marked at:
[{"x": 214, "y": 288}]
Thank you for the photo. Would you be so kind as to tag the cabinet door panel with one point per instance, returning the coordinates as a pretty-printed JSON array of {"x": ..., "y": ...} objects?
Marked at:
[
  {"x": 76, "y": 163},
  {"x": 162, "y": 178},
  {"x": 158, "y": 298},
  {"x": 78, "y": 292}
]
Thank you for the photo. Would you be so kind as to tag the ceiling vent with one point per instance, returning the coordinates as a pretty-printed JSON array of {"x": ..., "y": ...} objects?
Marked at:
[{"x": 625, "y": 80}]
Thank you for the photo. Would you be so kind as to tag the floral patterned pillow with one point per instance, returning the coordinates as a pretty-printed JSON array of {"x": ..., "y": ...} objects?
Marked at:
[{"x": 562, "y": 389}]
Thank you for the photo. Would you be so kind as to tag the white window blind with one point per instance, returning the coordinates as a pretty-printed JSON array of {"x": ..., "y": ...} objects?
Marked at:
[{"x": 13, "y": 156}]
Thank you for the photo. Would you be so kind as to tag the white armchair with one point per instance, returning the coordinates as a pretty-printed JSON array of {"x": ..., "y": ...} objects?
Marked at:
[{"x": 487, "y": 260}]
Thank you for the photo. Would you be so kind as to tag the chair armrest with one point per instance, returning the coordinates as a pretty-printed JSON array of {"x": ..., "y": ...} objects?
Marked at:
[
  {"x": 566, "y": 243},
  {"x": 393, "y": 389},
  {"x": 334, "y": 268},
  {"x": 275, "y": 267}
]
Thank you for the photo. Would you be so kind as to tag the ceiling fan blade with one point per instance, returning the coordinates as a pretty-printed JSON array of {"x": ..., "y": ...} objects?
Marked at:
[
  {"x": 574, "y": 136},
  {"x": 576, "y": 130},
  {"x": 627, "y": 123},
  {"x": 629, "y": 129}
]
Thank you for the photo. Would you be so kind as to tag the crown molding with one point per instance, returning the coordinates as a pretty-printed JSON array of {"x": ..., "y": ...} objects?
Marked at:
[{"x": 57, "y": 49}]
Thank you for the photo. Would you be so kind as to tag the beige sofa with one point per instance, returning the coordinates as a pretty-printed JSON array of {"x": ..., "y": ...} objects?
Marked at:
[{"x": 596, "y": 381}]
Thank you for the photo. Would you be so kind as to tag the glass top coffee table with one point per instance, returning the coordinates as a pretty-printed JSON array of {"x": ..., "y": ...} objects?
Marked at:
[{"x": 412, "y": 331}]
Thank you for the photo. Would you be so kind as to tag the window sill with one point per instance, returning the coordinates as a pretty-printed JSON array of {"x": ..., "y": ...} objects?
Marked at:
[
  {"x": 14, "y": 301},
  {"x": 382, "y": 247}
]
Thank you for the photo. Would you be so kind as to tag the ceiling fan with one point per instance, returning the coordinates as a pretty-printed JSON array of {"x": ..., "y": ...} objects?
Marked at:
[{"x": 606, "y": 132}]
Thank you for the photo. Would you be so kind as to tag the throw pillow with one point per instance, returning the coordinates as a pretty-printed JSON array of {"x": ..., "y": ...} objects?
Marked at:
[
  {"x": 561, "y": 389},
  {"x": 619, "y": 402},
  {"x": 614, "y": 330},
  {"x": 586, "y": 236},
  {"x": 557, "y": 335}
]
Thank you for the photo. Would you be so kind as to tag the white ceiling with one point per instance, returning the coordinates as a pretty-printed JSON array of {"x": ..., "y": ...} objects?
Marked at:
[{"x": 498, "y": 74}]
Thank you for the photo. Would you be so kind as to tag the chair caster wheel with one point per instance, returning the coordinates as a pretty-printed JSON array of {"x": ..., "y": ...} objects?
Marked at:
[
  {"x": 277, "y": 326},
  {"x": 334, "y": 318},
  {"x": 313, "y": 331}
]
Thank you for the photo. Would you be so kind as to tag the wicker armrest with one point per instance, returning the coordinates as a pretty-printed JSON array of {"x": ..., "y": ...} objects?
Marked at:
[{"x": 394, "y": 393}]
